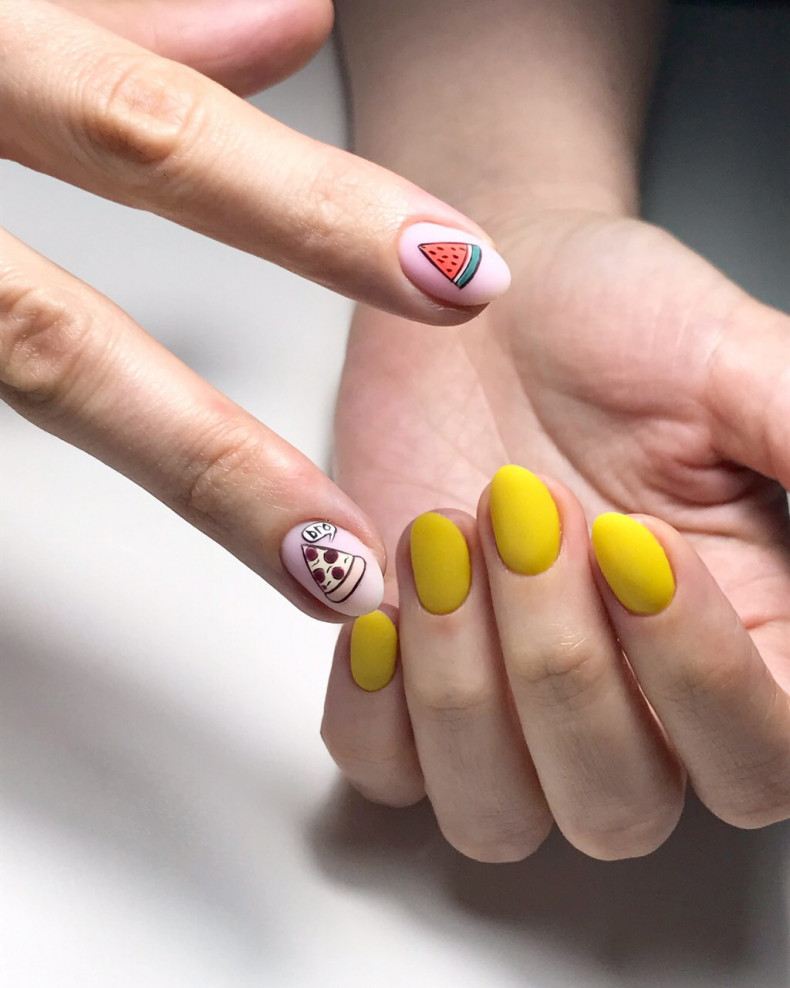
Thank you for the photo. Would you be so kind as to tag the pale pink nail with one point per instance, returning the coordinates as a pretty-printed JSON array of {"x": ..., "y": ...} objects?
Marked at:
[
  {"x": 334, "y": 566},
  {"x": 452, "y": 265}
]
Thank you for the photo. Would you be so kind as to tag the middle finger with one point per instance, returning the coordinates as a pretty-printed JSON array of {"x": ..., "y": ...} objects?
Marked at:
[{"x": 612, "y": 784}]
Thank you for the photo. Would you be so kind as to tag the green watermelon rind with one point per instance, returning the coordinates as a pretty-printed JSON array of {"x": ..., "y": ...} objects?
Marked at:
[{"x": 469, "y": 270}]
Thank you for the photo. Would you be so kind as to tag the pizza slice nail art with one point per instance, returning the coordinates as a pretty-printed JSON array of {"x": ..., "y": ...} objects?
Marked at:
[
  {"x": 452, "y": 265},
  {"x": 334, "y": 566}
]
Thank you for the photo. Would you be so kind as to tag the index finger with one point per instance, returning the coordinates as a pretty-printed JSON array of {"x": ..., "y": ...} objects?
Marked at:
[{"x": 86, "y": 106}]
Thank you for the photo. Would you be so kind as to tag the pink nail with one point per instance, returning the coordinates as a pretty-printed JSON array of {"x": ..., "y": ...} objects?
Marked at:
[
  {"x": 334, "y": 566},
  {"x": 452, "y": 265}
]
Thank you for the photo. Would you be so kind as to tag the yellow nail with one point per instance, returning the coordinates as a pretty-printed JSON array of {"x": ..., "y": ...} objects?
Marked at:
[
  {"x": 633, "y": 562},
  {"x": 525, "y": 520},
  {"x": 440, "y": 563},
  {"x": 374, "y": 649}
]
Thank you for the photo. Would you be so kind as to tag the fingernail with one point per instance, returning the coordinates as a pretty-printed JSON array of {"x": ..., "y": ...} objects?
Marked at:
[
  {"x": 633, "y": 563},
  {"x": 334, "y": 566},
  {"x": 440, "y": 563},
  {"x": 452, "y": 265},
  {"x": 525, "y": 520},
  {"x": 374, "y": 649}
]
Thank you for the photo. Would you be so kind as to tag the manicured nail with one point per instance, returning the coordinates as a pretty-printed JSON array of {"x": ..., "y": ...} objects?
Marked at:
[
  {"x": 374, "y": 649},
  {"x": 334, "y": 566},
  {"x": 440, "y": 563},
  {"x": 525, "y": 520},
  {"x": 633, "y": 562},
  {"x": 452, "y": 265}
]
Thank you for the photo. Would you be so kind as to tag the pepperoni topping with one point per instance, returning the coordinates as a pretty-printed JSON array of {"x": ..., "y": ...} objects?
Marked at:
[
  {"x": 330, "y": 555},
  {"x": 311, "y": 553},
  {"x": 338, "y": 572},
  {"x": 319, "y": 575}
]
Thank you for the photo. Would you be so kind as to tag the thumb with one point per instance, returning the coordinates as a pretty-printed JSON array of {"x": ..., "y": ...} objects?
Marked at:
[
  {"x": 748, "y": 390},
  {"x": 242, "y": 45}
]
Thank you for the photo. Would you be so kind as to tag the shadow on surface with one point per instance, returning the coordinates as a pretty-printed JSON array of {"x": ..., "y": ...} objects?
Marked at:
[
  {"x": 143, "y": 787},
  {"x": 709, "y": 903}
]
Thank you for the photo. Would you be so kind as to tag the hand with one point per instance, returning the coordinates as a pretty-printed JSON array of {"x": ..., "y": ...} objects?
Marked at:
[
  {"x": 90, "y": 107},
  {"x": 630, "y": 369}
]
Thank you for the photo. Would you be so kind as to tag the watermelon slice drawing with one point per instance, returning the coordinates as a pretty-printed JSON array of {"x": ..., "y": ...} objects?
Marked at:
[{"x": 458, "y": 262}]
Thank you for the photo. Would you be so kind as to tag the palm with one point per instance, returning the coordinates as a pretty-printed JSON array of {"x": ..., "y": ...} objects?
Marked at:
[{"x": 596, "y": 369}]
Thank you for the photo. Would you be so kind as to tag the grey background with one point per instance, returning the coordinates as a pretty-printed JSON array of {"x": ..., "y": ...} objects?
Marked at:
[{"x": 167, "y": 813}]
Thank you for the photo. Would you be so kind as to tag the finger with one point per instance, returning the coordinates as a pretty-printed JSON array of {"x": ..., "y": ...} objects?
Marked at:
[
  {"x": 746, "y": 388},
  {"x": 366, "y": 725},
  {"x": 698, "y": 667},
  {"x": 86, "y": 106},
  {"x": 245, "y": 46},
  {"x": 74, "y": 364},
  {"x": 478, "y": 773},
  {"x": 612, "y": 785}
]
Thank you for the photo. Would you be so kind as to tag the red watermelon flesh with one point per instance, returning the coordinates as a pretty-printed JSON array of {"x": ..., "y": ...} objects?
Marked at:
[{"x": 457, "y": 261}]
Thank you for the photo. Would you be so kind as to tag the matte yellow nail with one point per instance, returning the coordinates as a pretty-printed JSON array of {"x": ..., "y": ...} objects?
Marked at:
[
  {"x": 374, "y": 650},
  {"x": 440, "y": 563},
  {"x": 633, "y": 562},
  {"x": 525, "y": 520}
]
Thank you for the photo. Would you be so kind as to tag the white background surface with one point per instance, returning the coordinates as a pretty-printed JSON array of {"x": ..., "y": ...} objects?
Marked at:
[{"x": 168, "y": 815}]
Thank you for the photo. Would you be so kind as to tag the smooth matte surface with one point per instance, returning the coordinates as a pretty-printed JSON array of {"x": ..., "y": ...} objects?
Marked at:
[{"x": 168, "y": 815}]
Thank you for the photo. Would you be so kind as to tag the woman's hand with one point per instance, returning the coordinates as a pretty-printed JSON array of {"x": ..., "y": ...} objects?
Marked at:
[
  {"x": 97, "y": 110},
  {"x": 627, "y": 367}
]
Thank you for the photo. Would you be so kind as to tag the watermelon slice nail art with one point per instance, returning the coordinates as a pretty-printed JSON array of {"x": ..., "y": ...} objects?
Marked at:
[
  {"x": 457, "y": 262},
  {"x": 452, "y": 265},
  {"x": 334, "y": 566}
]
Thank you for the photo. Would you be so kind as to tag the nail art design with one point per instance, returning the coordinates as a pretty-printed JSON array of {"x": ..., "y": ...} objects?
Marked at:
[
  {"x": 334, "y": 566},
  {"x": 452, "y": 265},
  {"x": 525, "y": 521},
  {"x": 373, "y": 651},
  {"x": 440, "y": 563},
  {"x": 457, "y": 262},
  {"x": 633, "y": 563}
]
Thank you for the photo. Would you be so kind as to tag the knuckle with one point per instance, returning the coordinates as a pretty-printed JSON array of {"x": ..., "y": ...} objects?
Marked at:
[
  {"x": 381, "y": 771},
  {"x": 330, "y": 189},
  {"x": 698, "y": 685},
  {"x": 43, "y": 342},
  {"x": 139, "y": 111},
  {"x": 625, "y": 831},
  {"x": 566, "y": 671},
  {"x": 499, "y": 841},
  {"x": 452, "y": 703},
  {"x": 225, "y": 459},
  {"x": 757, "y": 797}
]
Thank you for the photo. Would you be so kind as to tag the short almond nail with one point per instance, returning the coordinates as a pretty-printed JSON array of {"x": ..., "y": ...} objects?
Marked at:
[
  {"x": 334, "y": 566},
  {"x": 452, "y": 265},
  {"x": 525, "y": 520},
  {"x": 374, "y": 651},
  {"x": 633, "y": 563},
  {"x": 440, "y": 563}
]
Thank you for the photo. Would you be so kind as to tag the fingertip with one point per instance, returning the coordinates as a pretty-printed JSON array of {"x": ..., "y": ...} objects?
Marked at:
[{"x": 452, "y": 265}]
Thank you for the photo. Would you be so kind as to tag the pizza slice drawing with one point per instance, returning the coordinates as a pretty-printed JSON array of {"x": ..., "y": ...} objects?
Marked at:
[
  {"x": 457, "y": 262},
  {"x": 336, "y": 573}
]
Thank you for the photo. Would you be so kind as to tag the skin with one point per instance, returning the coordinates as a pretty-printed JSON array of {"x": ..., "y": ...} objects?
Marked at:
[
  {"x": 93, "y": 93},
  {"x": 633, "y": 376}
]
